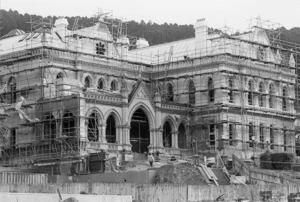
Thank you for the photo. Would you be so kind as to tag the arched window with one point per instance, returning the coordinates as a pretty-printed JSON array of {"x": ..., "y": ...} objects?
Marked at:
[
  {"x": 191, "y": 93},
  {"x": 231, "y": 134},
  {"x": 261, "y": 135},
  {"x": 230, "y": 86},
  {"x": 182, "y": 137},
  {"x": 100, "y": 85},
  {"x": 250, "y": 92},
  {"x": 167, "y": 135},
  {"x": 251, "y": 134},
  {"x": 87, "y": 82},
  {"x": 285, "y": 139},
  {"x": 12, "y": 90},
  {"x": 111, "y": 129},
  {"x": 284, "y": 99},
  {"x": 93, "y": 130},
  {"x": 68, "y": 125},
  {"x": 170, "y": 94},
  {"x": 113, "y": 85},
  {"x": 271, "y": 96},
  {"x": 271, "y": 137},
  {"x": 260, "y": 95},
  {"x": 50, "y": 128},
  {"x": 211, "y": 91}
]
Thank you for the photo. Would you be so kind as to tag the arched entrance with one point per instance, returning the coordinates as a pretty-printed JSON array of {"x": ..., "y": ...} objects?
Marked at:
[
  {"x": 167, "y": 135},
  {"x": 139, "y": 132},
  {"x": 181, "y": 136}
]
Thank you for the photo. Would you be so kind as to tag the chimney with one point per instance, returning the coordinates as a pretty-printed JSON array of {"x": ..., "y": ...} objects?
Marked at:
[
  {"x": 201, "y": 35},
  {"x": 61, "y": 25},
  {"x": 142, "y": 43}
]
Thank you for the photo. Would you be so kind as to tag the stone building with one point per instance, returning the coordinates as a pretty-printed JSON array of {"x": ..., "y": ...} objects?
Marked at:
[{"x": 70, "y": 95}]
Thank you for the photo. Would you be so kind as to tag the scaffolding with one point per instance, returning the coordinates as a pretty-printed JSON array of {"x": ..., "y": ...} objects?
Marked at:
[{"x": 48, "y": 130}]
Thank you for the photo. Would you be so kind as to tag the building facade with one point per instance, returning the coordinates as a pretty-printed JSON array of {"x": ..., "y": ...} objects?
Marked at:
[{"x": 70, "y": 95}]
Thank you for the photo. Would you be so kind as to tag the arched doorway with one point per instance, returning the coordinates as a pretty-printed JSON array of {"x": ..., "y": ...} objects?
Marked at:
[
  {"x": 181, "y": 136},
  {"x": 167, "y": 135},
  {"x": 93, "y": 130},
  {"x": 139, "y": 132}
]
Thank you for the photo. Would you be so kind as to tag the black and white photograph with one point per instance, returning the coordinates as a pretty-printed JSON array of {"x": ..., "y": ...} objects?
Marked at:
[{"x": 149, "y": 101}]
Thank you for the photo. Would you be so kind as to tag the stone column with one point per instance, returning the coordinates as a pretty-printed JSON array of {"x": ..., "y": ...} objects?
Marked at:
[
  {"x": 126, "y": 135},
  {"x": 102, "y": 129},
  {"x": 175, "y": 139},
  {"x": 159, "y": 137},
  {"x": 119, "y": 135},
  {"x": 83, "y": 129}
]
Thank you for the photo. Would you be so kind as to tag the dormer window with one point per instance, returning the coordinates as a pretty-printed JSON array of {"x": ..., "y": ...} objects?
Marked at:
[
  {"x": 113, "y": 85},
  {"x": 260, "y": 53},
  {"x": 100, "y": 48},
  {"x": 100, "y": 84},
  {"x": 87, "y": 82}
]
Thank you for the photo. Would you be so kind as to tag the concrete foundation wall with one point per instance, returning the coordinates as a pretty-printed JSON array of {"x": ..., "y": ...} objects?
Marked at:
[
  {"x": 25, "y": 197},
  {"x": 137, "y": 177},
  {"x": 151, "y": 193}
]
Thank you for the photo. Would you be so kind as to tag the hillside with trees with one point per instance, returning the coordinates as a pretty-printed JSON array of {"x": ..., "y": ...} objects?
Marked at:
[{"x": 153, "y": 32}]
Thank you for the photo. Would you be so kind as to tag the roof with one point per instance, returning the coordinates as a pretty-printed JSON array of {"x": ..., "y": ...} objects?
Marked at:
[
  {"x": 15, "y": 32},
  {"x": 163, "y": 52}
]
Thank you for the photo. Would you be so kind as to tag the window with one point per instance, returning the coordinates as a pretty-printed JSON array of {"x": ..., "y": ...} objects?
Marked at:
[
  {"x": 260, "y": 53},
  {"x": 111, "y": 129},
  {"x": 12, "y": 90},
  {"x": 68, "y": 125},
  {"x": 272, "y": 97},
  {"x": 13, "y": 137},
  {"x": 87, "y": 82},
  {"x": 211, "y": 91},
  {"x": 261, "y": 135},
  {"x": 113, "y": 85},
  {"x": 284, "y": 139},
  {"x": 261, "y": 96},
  {"x": 50, "y": 128},
  {"x": 231, "y": 134},
  {"x": 60, "y": 75},
  {"x": 93, "y": 127},
  {"x": 271, "y": 137},
  {"x": 100, "y": 48},
  {"x": 167, "y": 135},
  {"x": 170, "y": 92},
  {"x": 212, "y": 140},
  {"x": 250, "y": 92},
  {"x": 100, "y": 84},
  {"x": 284, "y": 99},
  {"x": 230, "y": 85},
  {"x": 251, "y": 134},
  {"x": 191, "y": 93}
]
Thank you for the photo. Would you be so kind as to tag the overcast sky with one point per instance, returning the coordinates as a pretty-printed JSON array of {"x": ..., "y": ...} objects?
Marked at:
[{"x": 218, "y": 13}]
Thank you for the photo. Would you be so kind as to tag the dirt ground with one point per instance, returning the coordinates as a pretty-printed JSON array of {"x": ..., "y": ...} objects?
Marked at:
[{"x": 179, "y": 174}]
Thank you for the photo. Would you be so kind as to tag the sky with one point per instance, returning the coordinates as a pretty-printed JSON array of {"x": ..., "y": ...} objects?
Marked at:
[{"x": 234, "y": 14}]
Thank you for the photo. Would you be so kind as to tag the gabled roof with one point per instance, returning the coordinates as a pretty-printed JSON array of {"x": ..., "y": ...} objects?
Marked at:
[{"x": 141, "y": 91}]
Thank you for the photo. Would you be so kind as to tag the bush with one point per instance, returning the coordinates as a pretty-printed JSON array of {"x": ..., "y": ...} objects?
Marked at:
[
  {"x": 282, "y": 161},
  {"x": 277, "y": 161},
  {"x": 266, "y": 160}
]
